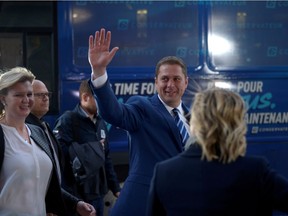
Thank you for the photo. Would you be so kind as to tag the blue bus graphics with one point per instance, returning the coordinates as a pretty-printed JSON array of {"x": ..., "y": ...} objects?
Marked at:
[{"x": 239, "y": 45}]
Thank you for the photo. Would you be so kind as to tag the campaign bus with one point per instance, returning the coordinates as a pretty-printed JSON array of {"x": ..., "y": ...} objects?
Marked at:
[{"x": 238, "y": 45}]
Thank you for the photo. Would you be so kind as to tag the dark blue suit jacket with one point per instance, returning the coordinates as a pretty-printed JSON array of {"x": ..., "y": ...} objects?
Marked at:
[
  {"x": 186, "y": 185},
  {"x": 153, "y": 137}
]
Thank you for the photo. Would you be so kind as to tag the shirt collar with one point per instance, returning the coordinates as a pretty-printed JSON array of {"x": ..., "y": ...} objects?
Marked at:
[
  {"x": 169, "y": 109},
  {"x": 86, "y": 114}
]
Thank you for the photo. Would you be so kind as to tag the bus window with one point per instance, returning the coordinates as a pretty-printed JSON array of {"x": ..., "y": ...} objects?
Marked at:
[
  {"x": 11, "y": 44},
  {"x": 26, "y": 14},
  {"x": 145, "y": 31},
  {"x": 241, "y": 38},
  {"x": 27, "y": 38}
]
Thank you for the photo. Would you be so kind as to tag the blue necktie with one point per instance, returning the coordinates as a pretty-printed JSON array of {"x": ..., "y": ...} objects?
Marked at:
[{"x": 181, "y": 126}]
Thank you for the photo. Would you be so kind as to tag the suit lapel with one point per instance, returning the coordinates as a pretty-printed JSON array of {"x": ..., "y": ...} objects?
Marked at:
[{"x": 40, "y": 139}]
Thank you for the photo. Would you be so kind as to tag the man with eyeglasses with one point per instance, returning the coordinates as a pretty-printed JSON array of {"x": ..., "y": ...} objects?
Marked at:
[
  {"x": 39, "y": 109},
  {"x": 43, "y": 95}
]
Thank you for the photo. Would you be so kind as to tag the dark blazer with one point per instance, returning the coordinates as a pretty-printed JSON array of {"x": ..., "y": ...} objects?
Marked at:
[
  {"x": 32, "y": 119},
  {"x": 186, "y": 185},
  {"x": 69, "y": 200},
  {"x": 53, "y": 199},
  {"x": 153, "y": 137}
]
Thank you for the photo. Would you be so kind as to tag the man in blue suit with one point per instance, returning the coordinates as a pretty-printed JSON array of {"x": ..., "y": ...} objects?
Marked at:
[{"x": 152, "y": 130}]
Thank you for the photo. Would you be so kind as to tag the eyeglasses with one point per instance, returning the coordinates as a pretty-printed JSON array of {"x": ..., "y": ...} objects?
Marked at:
[{"x": 43, "y": 95}]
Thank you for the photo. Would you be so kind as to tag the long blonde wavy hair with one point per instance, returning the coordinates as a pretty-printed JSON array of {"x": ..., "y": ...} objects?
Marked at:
[{"x": 218, "y": 124}]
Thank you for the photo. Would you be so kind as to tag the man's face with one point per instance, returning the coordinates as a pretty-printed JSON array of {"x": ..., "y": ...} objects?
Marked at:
[
  {"x": 171, "y": 84},
  {"x": 41, "y": 99}
]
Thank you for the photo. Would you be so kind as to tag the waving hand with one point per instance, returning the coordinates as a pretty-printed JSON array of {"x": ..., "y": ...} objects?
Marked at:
[{"x": 99, "y": 55}]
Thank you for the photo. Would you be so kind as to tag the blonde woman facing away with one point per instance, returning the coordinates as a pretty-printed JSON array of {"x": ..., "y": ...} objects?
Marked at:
[
  {"x": 29, "y": 181},
  {"x": 213, "y": 176}
]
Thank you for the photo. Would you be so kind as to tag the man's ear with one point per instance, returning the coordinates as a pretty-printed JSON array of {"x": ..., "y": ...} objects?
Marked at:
[{"x": 85, "y": 97}]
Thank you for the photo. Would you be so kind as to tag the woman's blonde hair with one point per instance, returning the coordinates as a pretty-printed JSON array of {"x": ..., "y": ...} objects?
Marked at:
[
  {"x": 218, "y": 124},
  {"x": 10, "y": 77}
]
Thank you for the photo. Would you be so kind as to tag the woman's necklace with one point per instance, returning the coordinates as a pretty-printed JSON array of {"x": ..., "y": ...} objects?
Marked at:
[{"x": 24, "y": 134}]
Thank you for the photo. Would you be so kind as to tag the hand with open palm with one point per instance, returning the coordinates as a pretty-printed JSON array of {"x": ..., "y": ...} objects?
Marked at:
[{"x": 99, "y": 55}]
